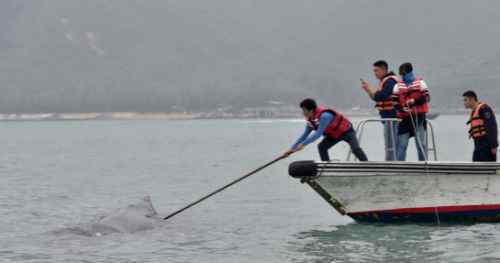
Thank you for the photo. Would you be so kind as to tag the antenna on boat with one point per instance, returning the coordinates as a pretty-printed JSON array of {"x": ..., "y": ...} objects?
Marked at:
[
  {"x": 224, "y": 187},
  {"x": 414, "y": 123}
]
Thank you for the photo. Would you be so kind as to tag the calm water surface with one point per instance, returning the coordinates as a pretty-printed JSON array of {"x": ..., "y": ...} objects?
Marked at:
[{"x": 57, "y": 175}]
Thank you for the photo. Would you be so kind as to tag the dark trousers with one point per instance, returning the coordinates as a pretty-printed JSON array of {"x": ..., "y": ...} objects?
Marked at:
[
  {"x": 483, "y": 155},
  {"x": 349, "y": 137}
]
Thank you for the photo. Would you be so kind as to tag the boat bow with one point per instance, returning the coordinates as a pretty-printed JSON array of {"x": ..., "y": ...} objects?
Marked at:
[{"x": 406, "y": 191}]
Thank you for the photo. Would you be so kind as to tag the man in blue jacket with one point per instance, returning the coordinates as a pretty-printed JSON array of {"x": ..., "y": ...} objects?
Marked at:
[
  {"x": 332, "y": 125},
  {"x": 383, "y": 96}
]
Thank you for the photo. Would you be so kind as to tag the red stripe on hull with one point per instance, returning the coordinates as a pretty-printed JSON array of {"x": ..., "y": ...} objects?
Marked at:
[{"x": 440, "y": 209}]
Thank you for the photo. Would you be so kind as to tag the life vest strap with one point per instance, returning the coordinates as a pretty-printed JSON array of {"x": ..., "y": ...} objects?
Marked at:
[
  {"x": 477, "y": 128},
  {"x": 385, "y": 105}
]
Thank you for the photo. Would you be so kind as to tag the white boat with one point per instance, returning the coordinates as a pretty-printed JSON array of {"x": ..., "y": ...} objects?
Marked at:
[{"x": 406, "y": 192}]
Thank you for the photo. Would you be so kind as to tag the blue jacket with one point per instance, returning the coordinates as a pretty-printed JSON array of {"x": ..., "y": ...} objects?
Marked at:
[{"x": 324, "y": 120}]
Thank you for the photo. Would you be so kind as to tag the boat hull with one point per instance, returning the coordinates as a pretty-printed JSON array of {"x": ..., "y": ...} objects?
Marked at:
[
  {"x": 399, "y": 192},
  {"x": 447, "y": 214}
]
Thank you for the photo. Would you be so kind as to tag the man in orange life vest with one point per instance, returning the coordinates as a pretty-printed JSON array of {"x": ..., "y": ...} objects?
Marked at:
[
  {"x": 384, "y": 103},
  {"x": 329, "y": 123},
  {"x": 412, "y": 105},
  {"x": 483, "y": 128}
]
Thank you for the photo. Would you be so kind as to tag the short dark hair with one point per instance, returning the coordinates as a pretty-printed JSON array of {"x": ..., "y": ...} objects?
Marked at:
[
  {"x": 405, "y": 68},
  {"x": 308, "y": 104},
  {"x": 470, "y": 94},
  {"x": 381, "y": 64}
]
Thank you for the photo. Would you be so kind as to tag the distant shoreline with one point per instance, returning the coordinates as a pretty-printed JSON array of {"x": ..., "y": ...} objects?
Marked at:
[{"x": 172, "y": 116}]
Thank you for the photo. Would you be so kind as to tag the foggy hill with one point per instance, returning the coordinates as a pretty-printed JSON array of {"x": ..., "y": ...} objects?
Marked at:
[{"x": 170, "y": 55}]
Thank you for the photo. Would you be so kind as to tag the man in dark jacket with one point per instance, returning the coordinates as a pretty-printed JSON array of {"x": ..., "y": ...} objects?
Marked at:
[
  {"x": 483, "y": 128},
  {"x": 383, "y": 97}
]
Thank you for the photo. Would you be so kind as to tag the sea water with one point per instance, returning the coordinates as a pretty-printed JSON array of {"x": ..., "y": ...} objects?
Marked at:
[{"x": 74, "y": 192}]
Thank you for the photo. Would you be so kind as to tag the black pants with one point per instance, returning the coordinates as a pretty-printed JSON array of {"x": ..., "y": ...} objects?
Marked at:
[
  {"x": 349, "y": 137},
  {"x": 483, "y": 155}
]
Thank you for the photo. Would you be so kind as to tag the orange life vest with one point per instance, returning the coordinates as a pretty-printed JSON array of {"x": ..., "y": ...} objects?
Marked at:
[
  {"x": 387, "y": 104},
  {"x": 412, "y": 91},
  {"x": 476, "y": 122},
  {"x": 336, "y": 128}
]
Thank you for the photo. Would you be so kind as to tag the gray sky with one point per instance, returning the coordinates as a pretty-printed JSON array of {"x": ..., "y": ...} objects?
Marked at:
[{"x": 159, "y": 55}]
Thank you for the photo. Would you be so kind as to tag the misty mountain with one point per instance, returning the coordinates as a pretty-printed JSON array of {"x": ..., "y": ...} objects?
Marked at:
[{"x": 170, "y": 55}]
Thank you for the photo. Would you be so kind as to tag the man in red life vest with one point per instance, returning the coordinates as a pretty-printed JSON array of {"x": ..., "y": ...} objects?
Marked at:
[
  {"x": 383, "y": 97},
  {"x": 482, "y": 128},
  {"x": 412, "y": 104},
  {"x": 330, "y": 124}
]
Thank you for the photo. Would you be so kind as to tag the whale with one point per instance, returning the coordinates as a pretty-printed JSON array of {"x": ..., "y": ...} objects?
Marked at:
[{"x": 140, "y": 216}]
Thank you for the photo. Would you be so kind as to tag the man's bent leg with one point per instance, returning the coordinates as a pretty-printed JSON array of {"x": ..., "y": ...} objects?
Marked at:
[
  {"x": 352, "y": 140},
  {"x": 324, "y": 146}
]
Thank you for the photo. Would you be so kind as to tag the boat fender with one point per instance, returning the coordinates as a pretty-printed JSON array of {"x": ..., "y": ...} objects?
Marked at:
[{"x": 302, "y": 169}]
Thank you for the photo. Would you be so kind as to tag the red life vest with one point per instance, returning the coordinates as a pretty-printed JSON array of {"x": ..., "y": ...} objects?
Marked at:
[
  {"x": 477, "y": 128},
  {"x": 413, "y": 91},
  {"x": 387, "y": 104},
  {"x": 336, "y": 128}
]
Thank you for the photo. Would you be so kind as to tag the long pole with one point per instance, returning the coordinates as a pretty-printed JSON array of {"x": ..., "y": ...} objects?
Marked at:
[{"x": 224, "y": 187}]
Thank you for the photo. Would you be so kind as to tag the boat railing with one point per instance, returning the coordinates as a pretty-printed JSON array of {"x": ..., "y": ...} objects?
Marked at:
[{"x": 430, "y": 140}]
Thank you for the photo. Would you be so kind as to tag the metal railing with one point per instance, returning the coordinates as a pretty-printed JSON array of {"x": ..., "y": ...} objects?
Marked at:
[{"x": 429, "y": 136}]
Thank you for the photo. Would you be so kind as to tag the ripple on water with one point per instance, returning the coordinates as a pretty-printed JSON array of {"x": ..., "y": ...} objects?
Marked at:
[{"x": 400, "y": 243}]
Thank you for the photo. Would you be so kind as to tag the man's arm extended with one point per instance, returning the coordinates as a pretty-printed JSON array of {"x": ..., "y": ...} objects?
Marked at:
[
  {"x": 303, "y": 137},
  {"x": 324, "y": 120}
]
